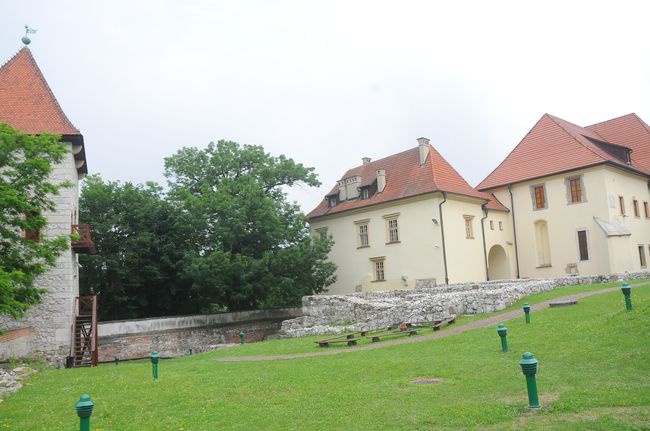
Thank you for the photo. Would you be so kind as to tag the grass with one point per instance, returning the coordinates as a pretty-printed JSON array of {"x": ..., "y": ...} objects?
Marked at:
[{"x": 594, "y": 375}]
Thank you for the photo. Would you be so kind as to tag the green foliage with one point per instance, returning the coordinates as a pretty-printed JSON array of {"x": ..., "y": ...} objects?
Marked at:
[
  {"x": 252, "y": 248},
  {"x": 592, "y": 376},
  {"x": 224, "y": 238},
  {"x": 26, "y": 162},
  {"x": 140, "y": 243}
]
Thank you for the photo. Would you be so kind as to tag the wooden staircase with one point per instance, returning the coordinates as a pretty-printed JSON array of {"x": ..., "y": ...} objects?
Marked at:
[{"x": 84, "y": 332}]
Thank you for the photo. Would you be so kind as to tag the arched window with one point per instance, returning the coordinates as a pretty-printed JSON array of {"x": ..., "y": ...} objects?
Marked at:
[{"x": 542, "y": 243}]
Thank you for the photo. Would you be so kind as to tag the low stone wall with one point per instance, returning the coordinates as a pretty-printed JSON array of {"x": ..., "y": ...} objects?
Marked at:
[
  {"x": 325, "y": 314},
  {"x": 174, "y": 336}
]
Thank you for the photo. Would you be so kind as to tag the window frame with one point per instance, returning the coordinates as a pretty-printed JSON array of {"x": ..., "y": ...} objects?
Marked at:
[
  {"x": 469, "y": 226},
  {"x": 535, "y": 198},
  {"x": 635, "y": 208},
  {"x": 500, "y": 225},
  {"x": 393, "y": 235},
  {"x": 621, "y": 206},
  {"x": 646, "y": 209},
  {"x": 491, "y": 224},
  {"x": 585, "y": 231},
  {"x": 358, "y": 227},
  {"x": 378, "y": 269},
  {"x": 580, "y": 188},
  {"x": 642, "y": 257}
]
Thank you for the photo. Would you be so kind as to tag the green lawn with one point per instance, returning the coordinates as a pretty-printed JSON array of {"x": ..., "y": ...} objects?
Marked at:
[{"x": 594, "y": 375}]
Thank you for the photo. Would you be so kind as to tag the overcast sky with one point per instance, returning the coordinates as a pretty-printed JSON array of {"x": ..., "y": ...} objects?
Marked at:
[{"x": 327, "y": 83}]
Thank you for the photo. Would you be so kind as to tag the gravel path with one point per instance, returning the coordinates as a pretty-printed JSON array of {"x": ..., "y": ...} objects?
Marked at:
[{"x": 453, "y": 329}]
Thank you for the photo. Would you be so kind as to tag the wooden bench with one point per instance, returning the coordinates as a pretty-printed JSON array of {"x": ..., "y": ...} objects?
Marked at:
[
  {"x": 326, "y": 343},
  {"x": 377, "y": 337},
  {"x": 338, "y": 339},
  {"x": 440, "y": 323}
]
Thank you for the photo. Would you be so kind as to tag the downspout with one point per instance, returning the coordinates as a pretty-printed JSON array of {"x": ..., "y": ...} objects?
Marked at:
[
  {"x": 487, "y": 275},
  {"x": 514, "y": 228},
  {"x": 442, "y": 230}
]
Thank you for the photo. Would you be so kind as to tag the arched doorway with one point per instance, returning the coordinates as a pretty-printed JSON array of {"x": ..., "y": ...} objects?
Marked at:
[{"x": 498, "y": 268}]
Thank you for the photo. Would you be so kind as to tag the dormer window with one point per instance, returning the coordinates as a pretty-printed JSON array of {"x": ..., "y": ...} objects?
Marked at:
[
  {"x": 332, "y": 201},
  {"x": 365, "y": 193}
]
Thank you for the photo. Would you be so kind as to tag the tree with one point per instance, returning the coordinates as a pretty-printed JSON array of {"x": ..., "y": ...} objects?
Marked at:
[
  {"x": 26, "y": 190},
  {"x": 250, "y": 247},
  {"x": 140, "y": 244}
]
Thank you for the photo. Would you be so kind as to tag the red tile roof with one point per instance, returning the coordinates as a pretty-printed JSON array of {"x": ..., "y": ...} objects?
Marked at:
[
  {"x": 406, "y": 178},
  {"x": 554, "y": 145},
  {"x": 26, "y": 101}
]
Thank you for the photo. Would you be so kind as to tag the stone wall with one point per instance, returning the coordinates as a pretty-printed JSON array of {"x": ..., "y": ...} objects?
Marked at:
[
  {"x": 51, "y": 321},
  {"x": 174, "y": 336},
  {"x": 324, "y": 314}
]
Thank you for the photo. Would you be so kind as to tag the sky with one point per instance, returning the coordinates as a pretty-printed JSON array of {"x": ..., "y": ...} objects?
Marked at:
[{"x": 329, "y": 82}]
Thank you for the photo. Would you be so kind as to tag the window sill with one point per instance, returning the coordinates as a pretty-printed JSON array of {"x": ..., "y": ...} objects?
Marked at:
[
  {"x": 576, "y": 203},
  {"x": 377, "y": 281},
  {"x": 363, "y": 246},
  {"x": 393, "y": 242},
  {"x": 546, "y": 265},
  {"x": 469, "y": 237}
]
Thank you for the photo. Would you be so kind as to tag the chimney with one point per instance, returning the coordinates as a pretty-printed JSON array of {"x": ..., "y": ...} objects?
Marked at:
[
  {"x": 381, "y": 180},
  {"x": 352, "y": 185},
  {"x": 366, "y": 160},
  {"x": 343, "y": 196},
  {"x": 423, "y": 144}
]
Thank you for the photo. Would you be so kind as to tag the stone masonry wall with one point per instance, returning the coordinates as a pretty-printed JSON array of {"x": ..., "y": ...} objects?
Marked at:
[
  {"x": 326, "y": 314},
  {"x": 51, "y": 321},
  {"x": 174, "y": 336}
]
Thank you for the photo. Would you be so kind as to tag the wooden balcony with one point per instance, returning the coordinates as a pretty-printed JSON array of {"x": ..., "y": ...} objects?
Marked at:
[{"x": 82, "y": 244}]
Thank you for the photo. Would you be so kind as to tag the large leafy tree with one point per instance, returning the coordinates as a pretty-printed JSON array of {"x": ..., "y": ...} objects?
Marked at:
[
  {"x": 26, "y": 191},
  {"x": 140, "y": 244},
  {"x": 250, "y": 246}
]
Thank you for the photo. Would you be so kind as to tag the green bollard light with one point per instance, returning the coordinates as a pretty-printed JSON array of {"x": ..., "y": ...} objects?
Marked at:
[
  {"x": 117, "y": 360},
  {"x": 527, "y": 312},
  {"x": 155, "y": 357},
  {"x": 84, "y": 409},
  {"x": 528, "y": 365},
  {"x": 242, "y": 334},
  {"x": 503, "y": 332},
  {"x": 627, "y": 292}
]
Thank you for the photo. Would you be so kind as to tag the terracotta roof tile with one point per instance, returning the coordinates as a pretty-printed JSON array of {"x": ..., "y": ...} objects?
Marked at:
[
  {"x": 26, "y": 101},
  {"x": 554, "y": 145},
  {"x": 630, "y": 131},
  {"x": 405, "y": 177}
]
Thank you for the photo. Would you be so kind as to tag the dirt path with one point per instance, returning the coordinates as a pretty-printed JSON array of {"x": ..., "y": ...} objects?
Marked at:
[{"x": 488, "y": 321}]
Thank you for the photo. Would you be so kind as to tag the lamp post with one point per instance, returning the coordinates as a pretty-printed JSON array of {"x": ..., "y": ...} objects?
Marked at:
[
  {"x": 627, "y": 292},
  {"x": 84, "y": 409},
  {"x": 155, "y": 357},
  {"x": 503, "y": 332},
  {"x": 528, "y": 365},
  {"x": 527, "y": 312}
]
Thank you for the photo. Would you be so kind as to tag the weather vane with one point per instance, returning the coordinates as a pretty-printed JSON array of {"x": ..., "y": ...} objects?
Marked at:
[{"x": 26, "y": 40}]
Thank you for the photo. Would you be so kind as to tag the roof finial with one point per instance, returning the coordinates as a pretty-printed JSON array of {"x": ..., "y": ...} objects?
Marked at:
[{"x": 26, "y": 40}]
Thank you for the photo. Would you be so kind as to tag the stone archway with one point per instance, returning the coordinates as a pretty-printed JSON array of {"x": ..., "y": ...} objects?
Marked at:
[{"x": 498, "y": 267}]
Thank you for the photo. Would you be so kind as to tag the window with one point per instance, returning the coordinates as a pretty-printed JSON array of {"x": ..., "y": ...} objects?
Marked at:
[
  {"x": 392, "y": 228},
  {"x": 362, "y": 233},
  {"x": 321, "y": 231},
  {"x": 491, "y": 224},
  {"x": 469, "y": 228},
  {"x": 378, "y": 268},
  {"x": 646, "y": 210},
  {"x": 32, "y": 235},
  {"x": 642, "y": 260},
  {"x": 500, "y": 225},
  {"x": 332, "y": 201},
  {"x": 575, "y": 190},
  {"x": 635, "y": 207},
  {"x": 621, "y": 204},
  {"x": 582, "y": 245},
  {"x": 539, "y": 197},
  {"x": 365, "y": 193}
]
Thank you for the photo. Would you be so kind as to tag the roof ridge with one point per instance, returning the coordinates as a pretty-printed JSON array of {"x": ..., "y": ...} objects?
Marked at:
[
  {"x": 554, "y": 118},
  {"x": 612, "y": 119}
]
